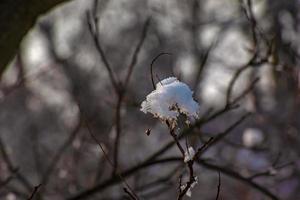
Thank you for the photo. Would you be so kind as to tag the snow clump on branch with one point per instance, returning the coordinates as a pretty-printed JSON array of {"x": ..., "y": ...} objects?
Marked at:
[
  {"x": 189, "y": 154},
  {"x": 171, "y": 98}
]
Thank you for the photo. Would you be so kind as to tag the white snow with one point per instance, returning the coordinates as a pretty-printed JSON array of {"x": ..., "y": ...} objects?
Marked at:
[
  {"x": 170, "y": 98},
  {"x": 189, "y": 191},
  {"x": 189, "y": 154}
]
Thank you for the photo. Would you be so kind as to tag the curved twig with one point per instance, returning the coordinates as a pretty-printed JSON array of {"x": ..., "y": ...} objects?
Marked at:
[{"x": 151, "y": 66}]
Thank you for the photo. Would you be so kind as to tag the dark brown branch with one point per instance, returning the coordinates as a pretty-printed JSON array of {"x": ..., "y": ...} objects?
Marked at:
[
  {"x": 270, "y": 172},
  {"x": 202, "y": 66},
  {"x": 121, "y": 94},
  {"x": 25, "y": 182},
  {"x": 132, "y": 196},
  {"x": 34, "y": 192},
  {"x": 189, "y": 163},
  {"x": 232, "y": 82},
  {"x": 184, "y": 133},
  {"x": 209, "y": 143},
  {"x": 117, "y": 173},
  {"x": 92, "y": 22},
  {"x": 116, "y": 179},
  {"x": 137, "y": 51},
  {"x": 204, "y": 146},
  {"x": 237, "y": 176},
  {"x": 248, "y": 11},
  {"x": 154, "y": 194},
  {"x": 233, "y": 103},
  {"x": 246, "y": 91},
  {"x": 159, "y": 181},
  {"x": 118, "y": 134},
  {"x": 47, "y": 174},
  {"x": 219, "y": 186},
  {"x": 151, "y": 67},
  {"x": 220, "y": 136},
  {"x": 190, "y": 182},
  {"x": 151, "y": 159},
  {"x": 174, "y": 136}
]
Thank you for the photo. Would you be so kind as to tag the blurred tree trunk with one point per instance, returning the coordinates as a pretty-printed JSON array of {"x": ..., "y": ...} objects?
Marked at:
[{"x": 16, "y": 18}]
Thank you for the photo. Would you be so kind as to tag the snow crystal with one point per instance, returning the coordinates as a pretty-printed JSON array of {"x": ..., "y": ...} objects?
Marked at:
[
  {"x": 170, "y": 98},
  {"x": 189, "y": 155},
  {"x": 189, "y": 191}
]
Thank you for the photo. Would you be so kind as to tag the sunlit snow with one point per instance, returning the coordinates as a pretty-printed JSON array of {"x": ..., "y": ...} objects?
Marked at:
[
  {"x": 189, "y": 155},
  {"x": 170, "y": 98}
]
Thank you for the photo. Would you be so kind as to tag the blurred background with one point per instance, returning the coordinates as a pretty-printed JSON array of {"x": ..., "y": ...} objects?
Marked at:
[{"x": 58, "y": 87}]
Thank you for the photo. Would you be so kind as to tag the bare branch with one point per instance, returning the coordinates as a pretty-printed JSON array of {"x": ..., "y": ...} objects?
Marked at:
[
  {"x": 237, "y": 176},
  {"x": 92, "y": 21},
  {"x": 117, "y": 173},
  {"x": 151, "y": 67},
  {"x": 137, "y": 51},
  {"x": 117, "y": 179},
  {"x": 35, "y": 190},
  {"x": 47, "y": 174},
  {"x": 219, "y": 185},
  {"x": 121, "y": 94},
  {"x": 25, "y": 182}
]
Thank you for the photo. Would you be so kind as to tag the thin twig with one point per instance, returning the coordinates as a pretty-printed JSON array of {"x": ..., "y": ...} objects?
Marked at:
[
  {"x": 47, "y": 174},
  {"x": 251, "y": 18},
  {"x": 35, "y": 190},
  {"x": 173, "y": 134},
  {"x": 129, "y": 194},
  {"x": 161, "y": 180},
  {"x": 92, "y": 21},
  {"x": 117, "y": 179},
  {"x": 204, "y": 146},
  {"x": 232, "y": 82},
  {"x": 219, "y": 185},
  {"x": 154, "y": 194},
  {"x": 237, "y": 176},
  {"x": 246, "y": 91},
  {"x": 202, "y": 66},
  {"x": 116, "y": 146},
  {"x": 190, "y": 163},
  {"x": 233, "y": 104},
  {"x": 114, "y": 180},
  {"x": 137, "y": 51},
  {"x": 151, "y": 159},
  {"x": 151, "y": 67},
  {"x": 270, "y": 172},
  {"x": 223, "y": 134},
  {"x": 25, "y": 182},
  {"x": 117, "y": 173},
  {"x": 121, "y": 94}
]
